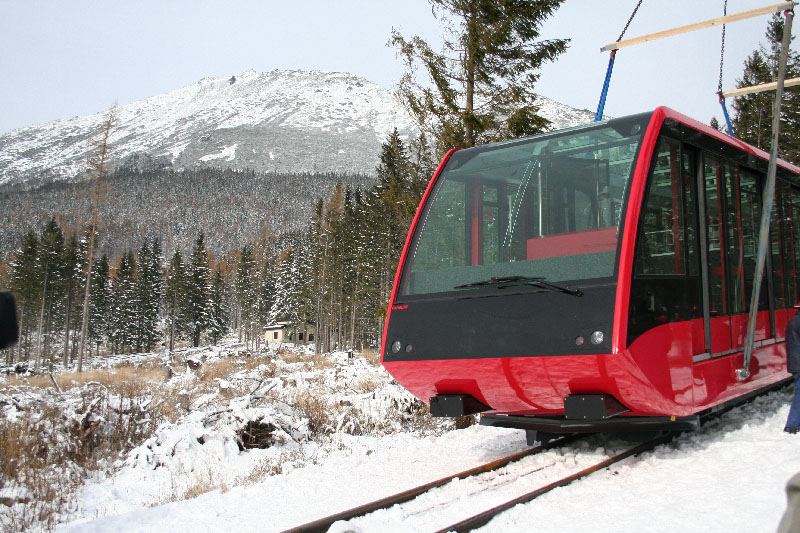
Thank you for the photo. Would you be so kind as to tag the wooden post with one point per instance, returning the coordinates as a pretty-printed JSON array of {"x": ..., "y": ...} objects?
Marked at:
[{"x": 760, "y": 88}]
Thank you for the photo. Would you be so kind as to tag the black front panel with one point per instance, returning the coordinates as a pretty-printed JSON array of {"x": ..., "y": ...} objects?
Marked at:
[{"x": 499, "y": 323}]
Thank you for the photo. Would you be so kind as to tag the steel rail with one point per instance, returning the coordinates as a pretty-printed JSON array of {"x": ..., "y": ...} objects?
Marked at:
[
  {"x": 483, "y": 518},
  {"x": 321, "y": 525}
]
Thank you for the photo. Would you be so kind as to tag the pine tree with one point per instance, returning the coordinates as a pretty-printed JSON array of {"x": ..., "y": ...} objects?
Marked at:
[
  {"x": 99, "y": 319},
  {"x": 482, "y": 85},
  {"x": 753, "y": 112},
  {"x": 26, "y": 286},
  {"x": 198, "y": 290},
  {"x": 287, "y": 292},
  {"x": 73, "y": 265},
  {"x": 219, "y": 307},
  {"x": 247, "y": 293},
  {"x": 268, "y": 289},
  {"x": 422, "y": 164},
  {"x": 149, "y": 294},
  {"x": 176, "y": 298},
  {"x": 50, "y": 271},
  {"x": 125, "y": 298}
]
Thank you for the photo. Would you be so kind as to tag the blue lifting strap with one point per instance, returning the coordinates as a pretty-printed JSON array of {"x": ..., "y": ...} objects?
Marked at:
[
  {"x": 600, "y": 106},
  {"x": 727, "y": 116}
]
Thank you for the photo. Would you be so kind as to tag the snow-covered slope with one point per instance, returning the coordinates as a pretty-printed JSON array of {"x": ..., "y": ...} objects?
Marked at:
[
  {"x": 280, "y": 121},
  {"x": 728, "y": 476},
  {"x": 283, "y": 121}
]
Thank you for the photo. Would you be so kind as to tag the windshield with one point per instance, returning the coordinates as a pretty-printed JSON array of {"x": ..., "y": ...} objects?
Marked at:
[{"x": 547, "y": 206}]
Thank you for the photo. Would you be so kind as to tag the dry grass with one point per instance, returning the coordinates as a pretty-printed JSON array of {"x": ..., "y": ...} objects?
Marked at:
[
  {"x": 373, "y": 356},
  {"x": 272, "y": 466},
  {"x": 46, "y": 477},
  {"x": 225, "y": 368},
  {"x": 366, "y": 385},
  {"x": 198, "y": 488},
  {"x": 54, "y": 442},
  {"x": 316, "y": 361},
  {"x": 126, "y": 380},
  {"x": 316, "y": 408}
]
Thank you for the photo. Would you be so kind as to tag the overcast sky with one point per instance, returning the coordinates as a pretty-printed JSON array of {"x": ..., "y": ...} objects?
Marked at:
[{"x": 60, "y": 59}]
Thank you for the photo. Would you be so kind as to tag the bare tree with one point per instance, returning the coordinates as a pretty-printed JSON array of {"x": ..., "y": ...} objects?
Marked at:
[{"x": 98, "y": 169}]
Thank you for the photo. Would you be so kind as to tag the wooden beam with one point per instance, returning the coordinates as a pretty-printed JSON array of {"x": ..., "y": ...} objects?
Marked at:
[
  {"x": 700, "y": 25},
  {"x": 759, "y": 88}
]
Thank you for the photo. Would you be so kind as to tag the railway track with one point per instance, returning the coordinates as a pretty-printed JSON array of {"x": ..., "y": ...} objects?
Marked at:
[{"x": 321, "y": 525}]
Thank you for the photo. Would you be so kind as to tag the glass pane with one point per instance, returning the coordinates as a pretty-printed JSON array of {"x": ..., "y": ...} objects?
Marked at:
[
  {"x": 712, "y": 178},
  {"x": 491, "y": 235},
  {"x": 734, "y": 226},
  {"x": 446, "y": 248},
  {"x": 795, "y": 210},
  {"x": 777, "y": 231},
  {"x": 548, "y": 206},
  {"x": 690, "y": 215},
  {"x": 751, "y": 226},
  {"x": 788, "y": 230},
  {"x": 660, "y": 246}
]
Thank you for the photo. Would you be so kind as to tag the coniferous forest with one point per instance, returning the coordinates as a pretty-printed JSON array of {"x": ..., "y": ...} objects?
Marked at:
[{"x": 328, "y": 278}]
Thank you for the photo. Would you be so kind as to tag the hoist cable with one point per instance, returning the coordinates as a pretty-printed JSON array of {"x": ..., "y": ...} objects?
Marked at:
[
  {"x": 722, "y": 47},
  {"x": 635, "y": 9},
  {"x": 719, "y": 84}
]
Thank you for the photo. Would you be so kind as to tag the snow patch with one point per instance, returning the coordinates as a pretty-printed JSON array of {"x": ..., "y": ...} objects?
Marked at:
[{"x": 228, "y": 154}]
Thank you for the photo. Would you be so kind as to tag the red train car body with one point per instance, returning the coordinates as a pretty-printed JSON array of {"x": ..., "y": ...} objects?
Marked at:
[{"x": 594, "y": 279}]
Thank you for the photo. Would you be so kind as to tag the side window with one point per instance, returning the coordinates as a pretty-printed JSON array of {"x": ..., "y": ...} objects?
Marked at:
[
  {"x": 665, "y": 285},
  {"x": 734, "y": 223},
  {"x": 783, "y": 246},
  {"x": 661, "y": 242},
  {"x": 715, "y": 194},
  {"x": 749, "y": 202}
]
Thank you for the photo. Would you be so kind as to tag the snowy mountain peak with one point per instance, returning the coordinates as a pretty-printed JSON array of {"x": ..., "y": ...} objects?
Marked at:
[
  {"x": 280, "y": 121},
  {"x": 283, "y": 121}
]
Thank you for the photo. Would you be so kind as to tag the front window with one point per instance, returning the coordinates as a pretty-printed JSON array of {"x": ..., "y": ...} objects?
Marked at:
[{"x": 547, "y": 207}]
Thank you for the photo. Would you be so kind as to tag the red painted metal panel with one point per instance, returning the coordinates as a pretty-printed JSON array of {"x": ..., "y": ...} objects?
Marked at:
[
  {"x": 720, "y": 333},
  {"x": 579, "y": 242},
  {"x": 655, "y": 376},
  {"x": 739, "y": 329},
  {"x": 715, "y": 379},
  {"x": 535, "y": 385}
]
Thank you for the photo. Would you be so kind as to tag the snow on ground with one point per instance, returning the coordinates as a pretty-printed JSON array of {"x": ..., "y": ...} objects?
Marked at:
[{"x": 727, "y": 476}]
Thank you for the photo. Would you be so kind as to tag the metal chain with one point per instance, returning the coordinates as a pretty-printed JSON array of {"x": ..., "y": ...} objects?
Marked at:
[
  {"x": 722, "y": 49},
  {"x": 630, "y": 19}
]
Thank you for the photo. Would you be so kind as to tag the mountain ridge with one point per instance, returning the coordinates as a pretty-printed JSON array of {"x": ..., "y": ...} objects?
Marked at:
[{"x": 277, "y": 121}]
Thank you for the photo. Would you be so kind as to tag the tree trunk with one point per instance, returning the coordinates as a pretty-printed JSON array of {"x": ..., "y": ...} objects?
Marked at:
[
  {"x": 41, "y": 320},
  {"x": 67, "y": 321},
  {"x": 469, "y": 111},
  {"x": 172, "y": 327}
]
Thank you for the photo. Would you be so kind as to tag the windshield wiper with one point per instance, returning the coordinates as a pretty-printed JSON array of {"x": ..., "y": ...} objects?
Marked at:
[{"x": 514, "y": 281}]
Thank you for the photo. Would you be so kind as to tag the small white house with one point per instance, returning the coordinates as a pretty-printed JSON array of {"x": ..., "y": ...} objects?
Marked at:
[{"x": 282, "y": 331}]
